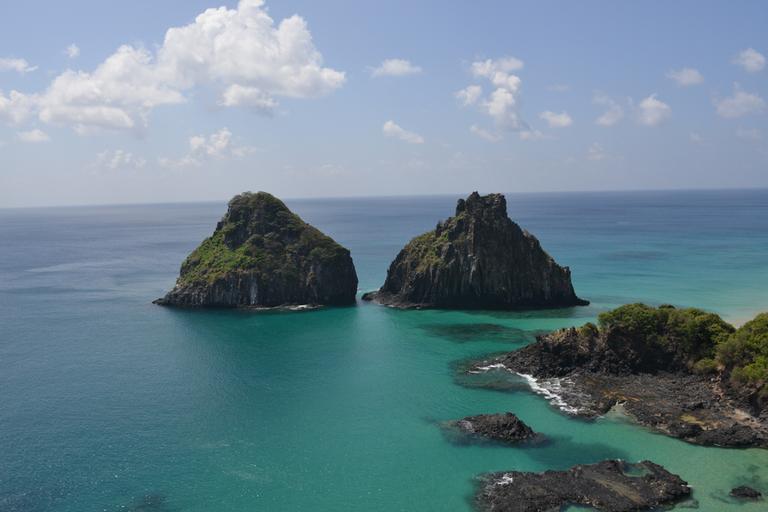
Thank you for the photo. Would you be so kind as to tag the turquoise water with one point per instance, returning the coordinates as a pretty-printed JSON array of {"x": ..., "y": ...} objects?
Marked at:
[{"x": 109, "y": 403}]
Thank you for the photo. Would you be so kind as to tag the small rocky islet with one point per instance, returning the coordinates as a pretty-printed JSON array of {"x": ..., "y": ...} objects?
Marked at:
[
  {"x": 505, "y": 428},
  {"x": 262, "y": 255},
  {"x": 477, "y": 259}
]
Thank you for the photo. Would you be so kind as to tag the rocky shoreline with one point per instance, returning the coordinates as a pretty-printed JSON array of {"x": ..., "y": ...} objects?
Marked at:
[{"x": 608, "y": 486}]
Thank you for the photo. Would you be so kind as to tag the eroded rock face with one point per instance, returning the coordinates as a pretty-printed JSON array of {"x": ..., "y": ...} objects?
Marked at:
[
  {"x": 504, "y": 427},
  {"x": 609, "y": 486},
  {"x": 263, "y": 255},
  {"x": 477, "y": 259}
]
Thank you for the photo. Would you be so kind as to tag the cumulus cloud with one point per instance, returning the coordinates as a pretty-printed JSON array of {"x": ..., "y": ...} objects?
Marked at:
[
  {"x": 16, "y": 107},
  {"x": 531, "y": 135},
  {"x": 613, "y": 113},
  {"x": 741, "y": 103},
  {"x": 651, "y": 111},
  {"x": 395, "y": 67},
  {"x": 218, "y": 145},
  {"x": 72, "y": 51},
  {"x": 17, "y": 65},
  {"x": 33, "y": 136},
  {"x": 469, "y": 95},
  {"x": 685, "y": 77},
  {"x": 392, "y": 129},
  {"x": 119, "y": 160},
  {"x": 750, "y": 59},
  {"x": 501, "y": 103},
  {"x": 241, "y": 52},
  {"x": 555, "y": 120},
  {"x": 484, "y": 134}
]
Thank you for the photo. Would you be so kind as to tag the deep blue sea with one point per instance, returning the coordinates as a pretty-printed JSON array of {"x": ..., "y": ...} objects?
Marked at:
[{"x": 108, "y": 403}]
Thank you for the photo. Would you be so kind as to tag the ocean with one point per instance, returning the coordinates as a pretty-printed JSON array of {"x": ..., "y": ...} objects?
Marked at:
[{"x": 109, "y": 403}]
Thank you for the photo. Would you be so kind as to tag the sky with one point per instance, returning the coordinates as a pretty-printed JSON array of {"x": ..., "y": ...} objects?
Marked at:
[{"x": 146, "y": 101}]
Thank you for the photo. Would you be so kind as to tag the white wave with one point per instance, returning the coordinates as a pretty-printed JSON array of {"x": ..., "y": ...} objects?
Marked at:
[
  {"x": 483, "y": 369},
  {"x": 551, "y": 390},
  {"x": 505, "y": 479}
]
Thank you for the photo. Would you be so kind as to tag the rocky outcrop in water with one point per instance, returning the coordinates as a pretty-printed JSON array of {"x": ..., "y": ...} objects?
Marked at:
[
  {"x": 662, "y": 366},
  {"x": 746, "y": 493},
  {"x": 609, "y": 486},
  {"x": 262, "y": 255},
  {"x": 477, "y": 259},
  {"x": 504, "y": 427}
]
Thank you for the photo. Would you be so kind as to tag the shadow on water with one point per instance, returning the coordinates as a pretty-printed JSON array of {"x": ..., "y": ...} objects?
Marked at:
[{"x": 462, "y": 333}]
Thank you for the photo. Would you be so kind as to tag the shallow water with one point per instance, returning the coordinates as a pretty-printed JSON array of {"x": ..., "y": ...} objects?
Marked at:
[{"x": 110, "y": 403}]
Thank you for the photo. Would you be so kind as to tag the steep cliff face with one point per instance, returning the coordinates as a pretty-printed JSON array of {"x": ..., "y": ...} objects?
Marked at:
[
  {"x": 263, "y": 255},
  {"x": 477, "y": 259}
]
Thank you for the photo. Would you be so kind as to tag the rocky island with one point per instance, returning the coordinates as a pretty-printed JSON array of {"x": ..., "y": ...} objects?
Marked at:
[
  {"x": 609, "y": 486},
  {"x": 683, "y": 372},
  {"x": 262, "y": 255},
  {"x": 477, "y": 259}
]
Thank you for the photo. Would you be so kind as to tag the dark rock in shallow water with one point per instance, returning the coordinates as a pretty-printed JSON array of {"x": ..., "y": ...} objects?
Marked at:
[
  {"x": 504, "y": 427},
  {"x": 262, "y": 255},
  {"x": 478, "y": 259},
  {"x": 609, "y": 486},
  {"x": 746, "y": 493}
]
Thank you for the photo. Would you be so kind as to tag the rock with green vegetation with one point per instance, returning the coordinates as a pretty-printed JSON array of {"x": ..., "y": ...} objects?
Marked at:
[
  {"x": 744, "y": 357},
  {"x": 262, "y": 255},
  {"x": 684, "y": 372},
  {"x": 477, "y": 259}
]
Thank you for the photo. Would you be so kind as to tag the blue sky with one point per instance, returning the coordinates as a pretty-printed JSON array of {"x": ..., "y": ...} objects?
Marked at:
[{"x": 297, "y": 98}]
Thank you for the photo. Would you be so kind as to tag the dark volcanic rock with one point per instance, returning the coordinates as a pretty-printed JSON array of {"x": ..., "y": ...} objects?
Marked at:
[
  {"x": 746, "y": 493},
  {"x": 263, "y": 255},
  {"x": 504, "y": 427},
  {"x": 610, "y": 486},
  {"x": 478, "y": 259},
  {"x": 648, "y": 363}
]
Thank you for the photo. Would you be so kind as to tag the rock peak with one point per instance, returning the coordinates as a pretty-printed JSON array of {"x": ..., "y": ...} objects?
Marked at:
[{"x": 492, "y": 205}]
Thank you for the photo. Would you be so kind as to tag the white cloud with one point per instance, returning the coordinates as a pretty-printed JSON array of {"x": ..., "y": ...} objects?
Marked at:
[
  {"x": 596, "y": 152},
  {"x": 395, "y": 67},
  {"x": 33, "y": 136},
  {"x": 485, "y": 134},
  {"x": 242, "y": 52},
  {"x": 695, "y": 138},
  {"x": 501, "y": 103},
  {"x": 18, "y": 65},
  {"x": 218, "y": 145},
  {"x": 749, "y": 134},
  {"x": 238, "y": 95},
  {"x": 490, "y": 67},
  {"x": 740, "y": 104},
  {"x": 556, "y": 120},
  {"x": 119, "y": 159},
  {"x": 685, "y": 77},
  {"x": 613, "y": 113},
  {"x": 652, "y": 111},
  {"x": 469, "y": 95},
  {"x": 16, "y": 107},
  {"x": 750, "y": 59},
  {"x": 392, "y": 129},
  {"x": 72, "y": 51}
]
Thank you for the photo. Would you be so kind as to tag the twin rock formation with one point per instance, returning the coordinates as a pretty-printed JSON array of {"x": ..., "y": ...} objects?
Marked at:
[{"x": 262, "y": 255}]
